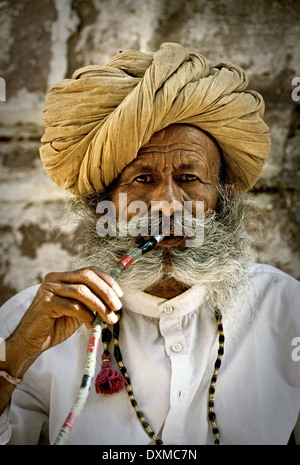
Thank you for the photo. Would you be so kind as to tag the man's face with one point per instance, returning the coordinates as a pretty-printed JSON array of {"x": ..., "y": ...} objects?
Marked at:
[{"x": 179, "y": 163}]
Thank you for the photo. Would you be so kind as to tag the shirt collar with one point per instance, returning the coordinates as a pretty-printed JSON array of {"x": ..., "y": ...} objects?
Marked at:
[{"x": 154, "y": 307}]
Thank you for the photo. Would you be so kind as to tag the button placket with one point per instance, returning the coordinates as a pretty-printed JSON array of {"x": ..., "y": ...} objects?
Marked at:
[
  {"x": 177, "y": 347},
  {"x": 168, "y": 309},
  {"x": 171, "y": 330}
]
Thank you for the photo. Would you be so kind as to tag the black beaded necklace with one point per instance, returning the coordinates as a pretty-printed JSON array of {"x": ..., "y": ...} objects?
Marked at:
[{"x": 114, "y": 382}]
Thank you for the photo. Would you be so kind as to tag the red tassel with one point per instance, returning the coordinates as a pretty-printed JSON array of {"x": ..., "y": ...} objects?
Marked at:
[{"x": 109, "y": 381}]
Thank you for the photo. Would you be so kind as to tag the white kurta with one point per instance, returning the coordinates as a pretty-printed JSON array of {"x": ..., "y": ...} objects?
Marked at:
[{"x": 169, "y": 348}]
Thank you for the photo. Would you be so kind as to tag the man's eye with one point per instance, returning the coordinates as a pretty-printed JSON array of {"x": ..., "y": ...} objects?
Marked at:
[
  {"x": 145, "y": 178},
  {"x": 188, "y": 177}
]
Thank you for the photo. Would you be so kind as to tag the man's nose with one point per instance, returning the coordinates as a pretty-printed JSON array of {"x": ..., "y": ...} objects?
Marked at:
[{"x": 167, "y": 199}]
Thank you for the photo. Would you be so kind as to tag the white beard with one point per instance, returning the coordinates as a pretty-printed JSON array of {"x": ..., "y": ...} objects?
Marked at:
[{"x": 219, "y": 263}]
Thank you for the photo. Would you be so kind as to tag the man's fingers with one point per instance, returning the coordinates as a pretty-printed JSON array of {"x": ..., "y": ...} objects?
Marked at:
[
  {"x": 49, "y": 304},
  {"x": 109, "y": 280},
  {"x": 83, "y": 295},
  {"x": 90, "y": 275},
  {"x": 75, "y": 309},
  {"x": 99, "y": 282}
]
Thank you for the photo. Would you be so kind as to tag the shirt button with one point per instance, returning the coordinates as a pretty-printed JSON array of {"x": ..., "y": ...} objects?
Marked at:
[
  {"x": 177, "y": 347},
  {"x": 168, "y": 309}
]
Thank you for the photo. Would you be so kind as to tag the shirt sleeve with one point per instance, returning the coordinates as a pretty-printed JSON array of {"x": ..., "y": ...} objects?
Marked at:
[
  {"x": 5, "y": 429},
  {"x": 297, "y": 432},
  {"x": 24, "y": 409}
]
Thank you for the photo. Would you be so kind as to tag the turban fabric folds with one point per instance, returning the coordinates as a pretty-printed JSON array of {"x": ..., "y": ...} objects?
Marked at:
[{"x": 96, "y": 122}]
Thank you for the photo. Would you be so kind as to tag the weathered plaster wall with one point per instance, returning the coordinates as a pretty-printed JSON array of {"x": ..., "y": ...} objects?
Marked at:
[{"x": 43, "y": 41}]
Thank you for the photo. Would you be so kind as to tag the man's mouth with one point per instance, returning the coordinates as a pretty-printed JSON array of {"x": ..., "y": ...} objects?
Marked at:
[{"x": 172, "y": 241}]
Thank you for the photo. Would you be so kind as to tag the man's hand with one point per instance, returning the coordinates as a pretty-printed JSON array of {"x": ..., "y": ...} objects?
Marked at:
[{"x": 63, "y": 302}]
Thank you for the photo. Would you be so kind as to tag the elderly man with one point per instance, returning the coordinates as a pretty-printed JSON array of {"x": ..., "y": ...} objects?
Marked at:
[{"x": 207, "y": 338}]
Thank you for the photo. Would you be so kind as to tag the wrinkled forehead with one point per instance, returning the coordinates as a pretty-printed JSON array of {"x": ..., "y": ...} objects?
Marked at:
[
  {"x": 183, "y": 135},
  {"x": 189, "y": 142}
]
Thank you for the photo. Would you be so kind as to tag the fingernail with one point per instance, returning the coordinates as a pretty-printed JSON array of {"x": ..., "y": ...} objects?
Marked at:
[
  {"x": 118, "y": 291},
  {"x": 113, "y": 318},
  {"x": 116, "y": 303}
]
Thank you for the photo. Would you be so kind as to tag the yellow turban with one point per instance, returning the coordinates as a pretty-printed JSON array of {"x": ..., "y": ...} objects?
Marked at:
[{"x": 96, "y": 122}]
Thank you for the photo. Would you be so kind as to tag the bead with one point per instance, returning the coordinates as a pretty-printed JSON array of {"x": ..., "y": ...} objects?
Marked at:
[
  {"x": 217, "y": 363},
  {"x": 106, "y": 335},
  {"x": 117, "y": 353},
  {"x": 211, "y": 414}
]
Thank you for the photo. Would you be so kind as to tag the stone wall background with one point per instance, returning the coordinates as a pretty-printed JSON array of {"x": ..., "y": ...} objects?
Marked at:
[{"x": 43, "y": 41}]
